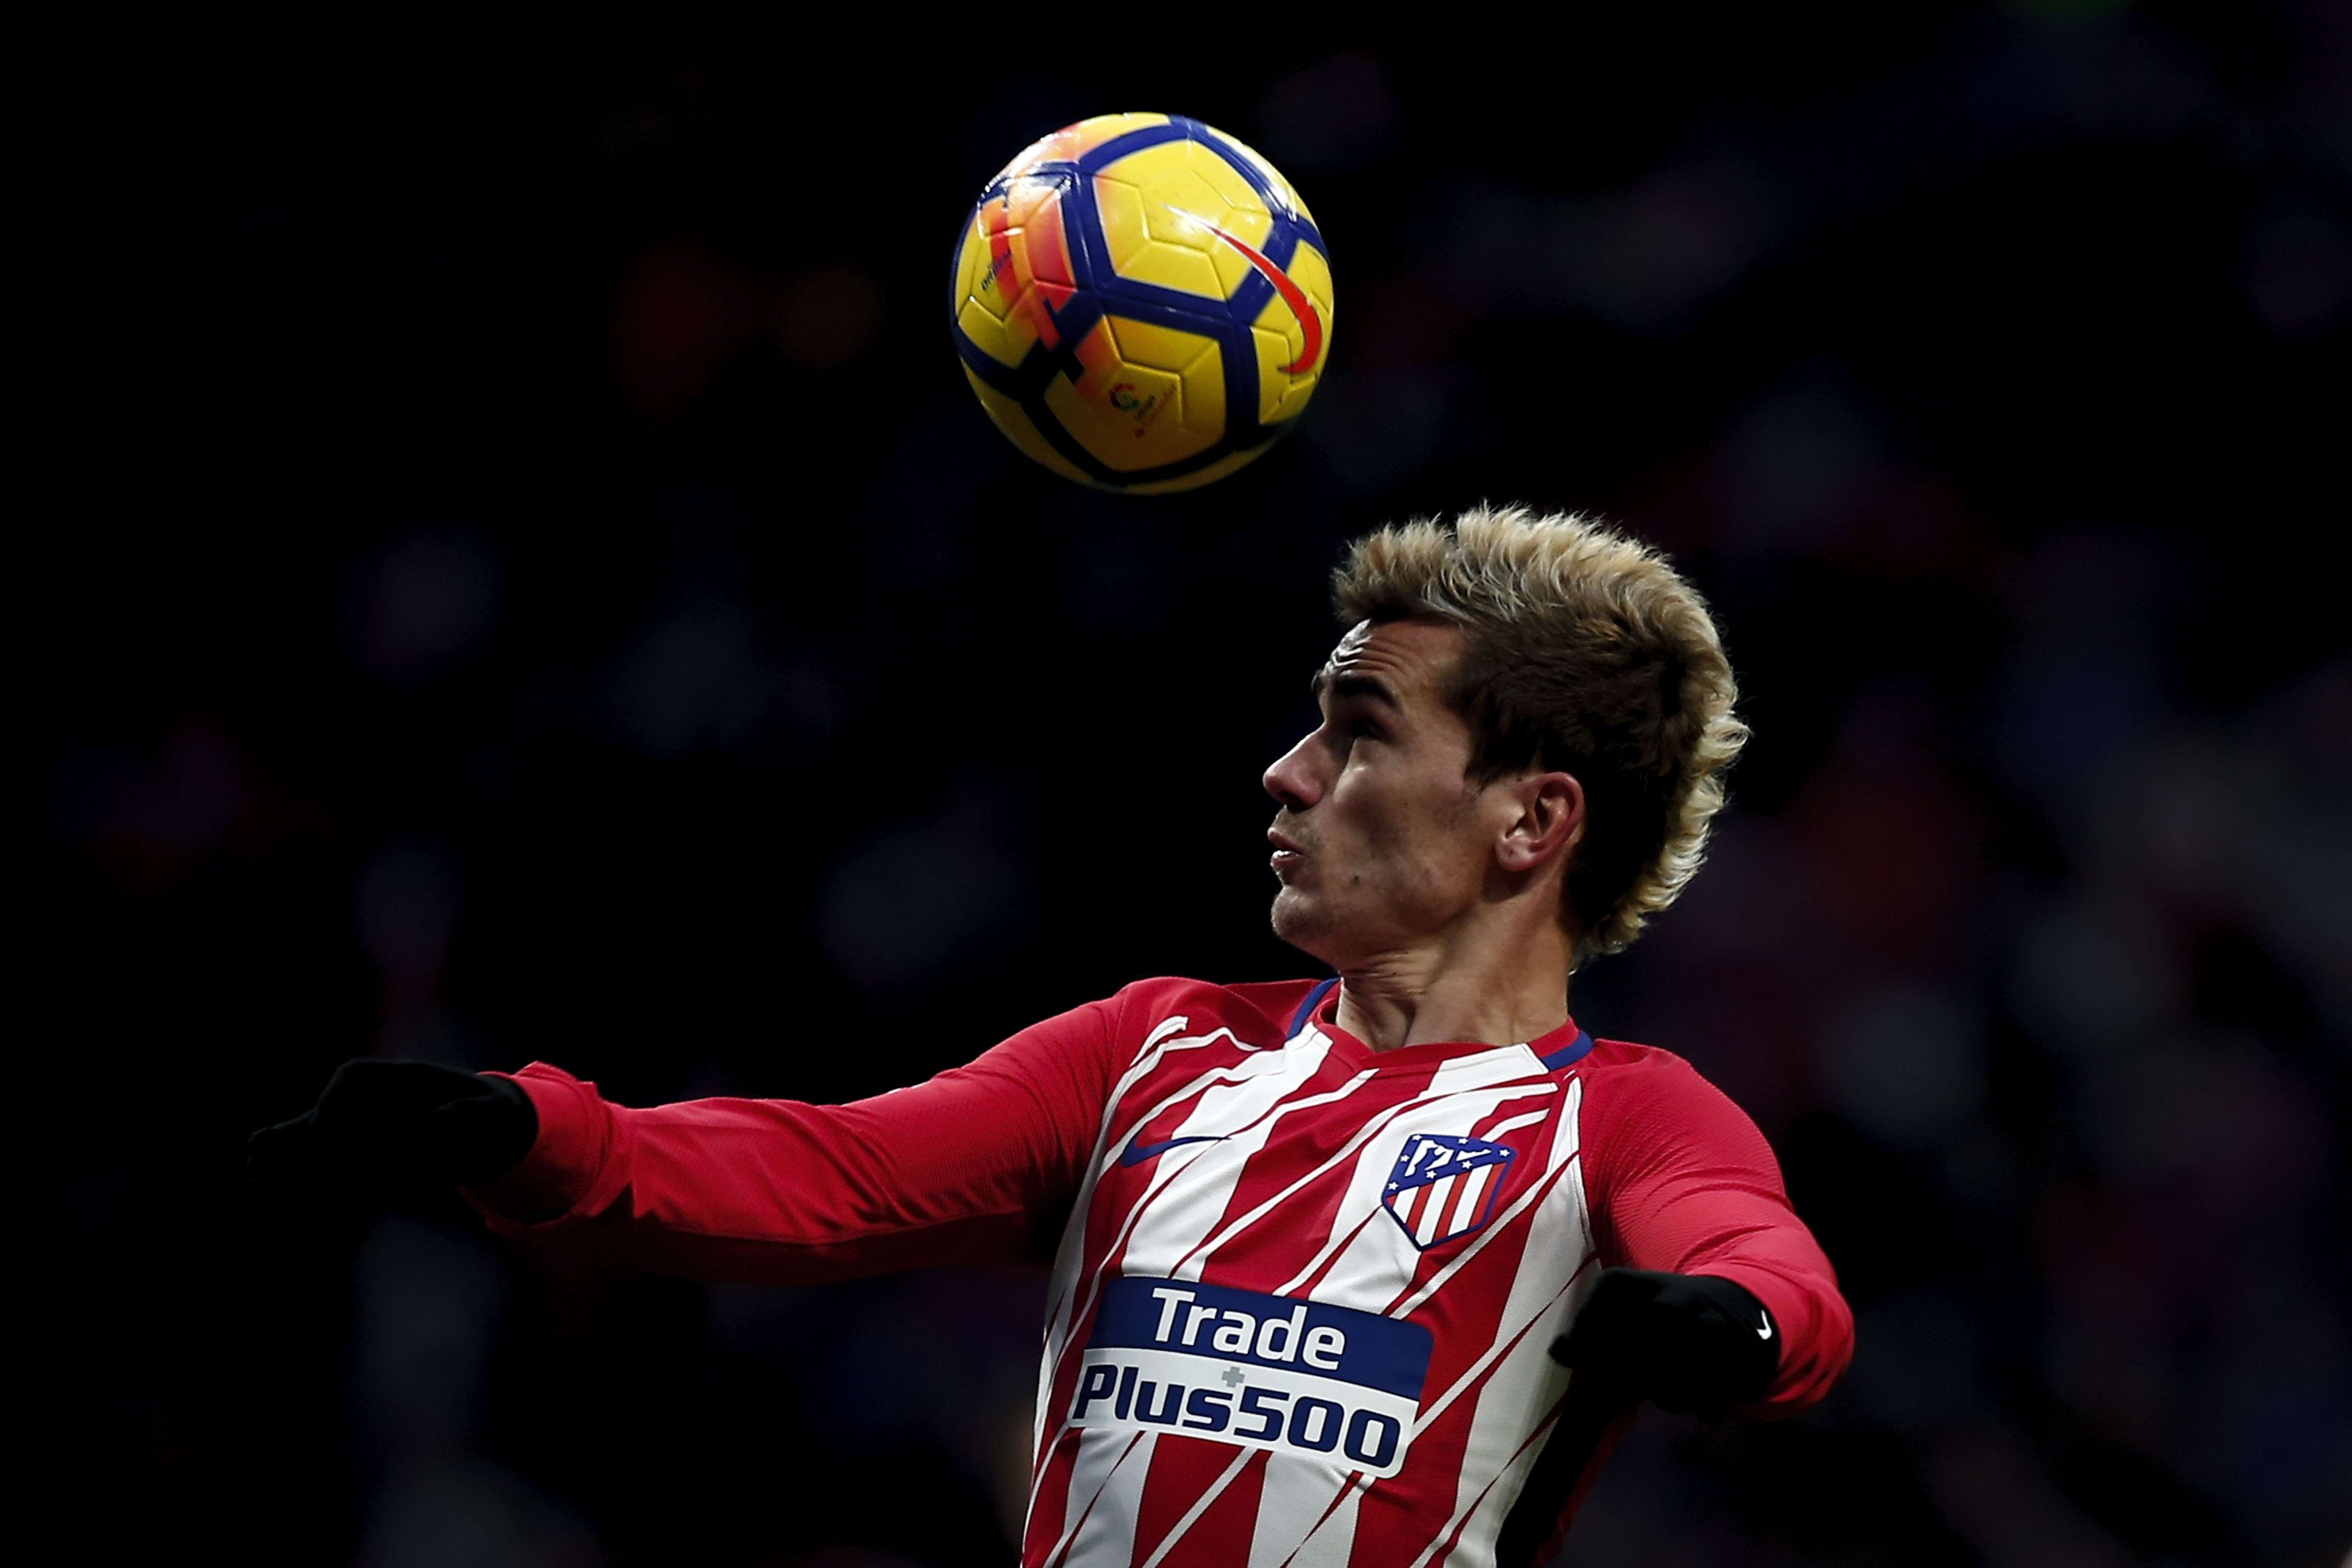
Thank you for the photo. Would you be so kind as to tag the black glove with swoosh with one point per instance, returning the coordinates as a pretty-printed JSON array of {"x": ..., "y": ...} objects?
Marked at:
[
  {"x": 1690, "y": 1343},
  {"x": 384, "y": 1129}
]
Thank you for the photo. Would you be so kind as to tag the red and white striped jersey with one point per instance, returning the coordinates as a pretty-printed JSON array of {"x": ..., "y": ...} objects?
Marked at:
[{"x": 1303, "y": 1299}]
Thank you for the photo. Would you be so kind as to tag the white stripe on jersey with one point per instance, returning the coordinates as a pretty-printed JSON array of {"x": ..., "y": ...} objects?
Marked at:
[
  {"x": 1528, "y": 1354},
  {"x": 1563, "y": 1149},
  {"x": 1337, "y": 1239},
  {"x": 1361, "y": 1203},
  {"x": 1347, "y": 1151},
  {"x": 1495, "y": 1133},
  {"x": 1472, "y": 1375},
  {"x": 1517, "y": 1312},
  {"x": 1162, "y": 1231},
  {"x": 1506, "y": 1338},
  {"x": 1092, "y": 1470},
  {"x": 1071, "y": 1303},
  {"x": 1526, "y": 1383},
  {"x": 1070, "y": 1256},
  {"x": 1238, "y": 1096},
  {"x": 1476, "y": 1547},
  {"x": 1105, "y": 1531},
  {"x": 1376, "y": 1253},
  {"x": 1297, "y": 1535},
  {"x": 1256, "y": 1103}
]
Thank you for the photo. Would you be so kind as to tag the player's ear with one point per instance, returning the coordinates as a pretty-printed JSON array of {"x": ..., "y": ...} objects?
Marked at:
[{"x": 1547, "y": 820}]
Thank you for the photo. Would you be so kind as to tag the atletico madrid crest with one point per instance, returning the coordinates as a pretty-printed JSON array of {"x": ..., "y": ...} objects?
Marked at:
[{"x": 1442, "y": 1186}]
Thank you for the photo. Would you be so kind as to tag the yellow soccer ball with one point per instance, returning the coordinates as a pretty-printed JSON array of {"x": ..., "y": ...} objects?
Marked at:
[{"x": 1142, "y": 303}]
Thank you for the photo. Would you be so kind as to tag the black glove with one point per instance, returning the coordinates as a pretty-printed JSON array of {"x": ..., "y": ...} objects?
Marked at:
[
  {"x": 388, "y": 1127},
  {"x": 1689, "y": 1341}
]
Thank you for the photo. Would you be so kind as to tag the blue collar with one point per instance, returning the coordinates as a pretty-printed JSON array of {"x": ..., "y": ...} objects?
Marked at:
[{"x": 1307, "y": 1009}]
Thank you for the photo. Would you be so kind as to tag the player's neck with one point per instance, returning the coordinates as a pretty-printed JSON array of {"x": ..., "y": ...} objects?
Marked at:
[{"x": 1484, "y": 988}]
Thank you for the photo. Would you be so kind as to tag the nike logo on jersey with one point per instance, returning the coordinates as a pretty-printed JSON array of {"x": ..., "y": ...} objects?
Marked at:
[
  {"x": 1137, "y": 1153},
  {"x": 1766, "y": 1331}
]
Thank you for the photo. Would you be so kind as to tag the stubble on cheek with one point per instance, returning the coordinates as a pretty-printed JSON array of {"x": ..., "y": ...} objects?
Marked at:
[
  {"x": 1343, "y": 910},
  {"x": 1294, "y": 918},
  {"x": 1316, "y": 906}
]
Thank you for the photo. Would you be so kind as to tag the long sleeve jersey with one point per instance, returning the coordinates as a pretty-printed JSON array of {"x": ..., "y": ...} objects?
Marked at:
[{"x": 1304, "y": 1294}]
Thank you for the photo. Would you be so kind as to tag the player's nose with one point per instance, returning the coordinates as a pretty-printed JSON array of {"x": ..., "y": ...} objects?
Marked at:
[{"x": 1292, "y": 780}]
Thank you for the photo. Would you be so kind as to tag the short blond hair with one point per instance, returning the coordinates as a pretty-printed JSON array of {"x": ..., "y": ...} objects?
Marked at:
[{"x": 1586, "y": 652}]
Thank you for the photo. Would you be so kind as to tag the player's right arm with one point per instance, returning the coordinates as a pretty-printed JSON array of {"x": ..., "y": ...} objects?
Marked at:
[{"x": 969, "y": 1167}]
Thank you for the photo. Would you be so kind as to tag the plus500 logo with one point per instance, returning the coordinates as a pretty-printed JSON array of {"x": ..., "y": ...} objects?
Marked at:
[{"x": 1271, "y": 1372}]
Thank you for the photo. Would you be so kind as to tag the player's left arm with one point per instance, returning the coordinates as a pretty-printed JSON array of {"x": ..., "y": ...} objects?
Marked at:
[{"x": 1714, "y": 1294}]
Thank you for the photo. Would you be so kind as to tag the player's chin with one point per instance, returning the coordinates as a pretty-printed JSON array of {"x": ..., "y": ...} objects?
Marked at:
[{"x": 1298, "y": 921}]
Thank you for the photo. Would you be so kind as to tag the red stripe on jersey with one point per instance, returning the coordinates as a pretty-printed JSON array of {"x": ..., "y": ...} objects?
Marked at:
[
  {"x": 1250, "y": 1236},
  {"x": 1533, "y": 1443},
  {"x": 1049, "y": 1484},
  {"x": 1330, "y": 1255},
  {"x": 1184, "y": 1471},
  {"x": 1254, "y": 1246}
]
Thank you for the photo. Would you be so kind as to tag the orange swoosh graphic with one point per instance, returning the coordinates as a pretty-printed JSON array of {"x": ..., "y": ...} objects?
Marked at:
[{"x": 1292, "y": 296}]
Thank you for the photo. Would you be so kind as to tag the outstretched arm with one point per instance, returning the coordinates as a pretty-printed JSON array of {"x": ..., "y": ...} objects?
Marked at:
[
  {"x": 975, "y": 1166},
  {"x": 1716, "y": 1293},
  {"x": 964, "y": 1168}
]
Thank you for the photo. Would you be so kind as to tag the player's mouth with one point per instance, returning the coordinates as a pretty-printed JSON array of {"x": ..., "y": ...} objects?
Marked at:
[{"x": 1288, "y": 851}]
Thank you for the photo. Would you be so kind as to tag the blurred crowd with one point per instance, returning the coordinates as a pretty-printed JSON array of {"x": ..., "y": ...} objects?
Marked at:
[{"x": 573, "y": 612}]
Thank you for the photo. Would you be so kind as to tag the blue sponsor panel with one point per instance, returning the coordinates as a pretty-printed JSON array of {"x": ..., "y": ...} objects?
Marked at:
[
  {"x": 1253, "y": 1329},
  {"x": 1238, "y": 1366}
]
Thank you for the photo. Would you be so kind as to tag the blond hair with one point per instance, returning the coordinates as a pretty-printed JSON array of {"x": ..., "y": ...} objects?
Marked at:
[{"x": 1586, "y": 652}]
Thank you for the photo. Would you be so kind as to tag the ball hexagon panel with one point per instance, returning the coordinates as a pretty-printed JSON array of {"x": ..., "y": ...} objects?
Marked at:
[
  {"x": 1136, "y": 253},
  {"x": 1147, "y": 396},
  {"x": 1163, "y": 347},
  {"x": 1180, "y": 195}
]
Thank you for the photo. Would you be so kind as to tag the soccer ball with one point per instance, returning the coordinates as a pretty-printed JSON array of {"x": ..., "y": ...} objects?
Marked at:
[{"x": 1142, "y": 303}]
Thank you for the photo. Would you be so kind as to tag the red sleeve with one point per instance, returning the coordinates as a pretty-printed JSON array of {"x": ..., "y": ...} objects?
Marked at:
[
  {"x": 965, "y": 1168},
  {"x": 1680, "y": 1180}
]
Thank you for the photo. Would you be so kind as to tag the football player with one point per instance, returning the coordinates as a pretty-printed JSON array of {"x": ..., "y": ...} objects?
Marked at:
[{"x": 1367, "y": 1270}]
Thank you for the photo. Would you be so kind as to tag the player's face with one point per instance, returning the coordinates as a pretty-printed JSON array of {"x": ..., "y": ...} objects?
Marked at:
[{"x": 1381, "y": 841}]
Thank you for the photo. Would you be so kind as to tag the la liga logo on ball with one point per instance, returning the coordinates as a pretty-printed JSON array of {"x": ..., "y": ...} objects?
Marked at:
[{"x": 1142, "y": 303}]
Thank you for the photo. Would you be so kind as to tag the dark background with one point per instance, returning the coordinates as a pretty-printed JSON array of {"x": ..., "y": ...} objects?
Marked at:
[{"x": 523, "y": 578}]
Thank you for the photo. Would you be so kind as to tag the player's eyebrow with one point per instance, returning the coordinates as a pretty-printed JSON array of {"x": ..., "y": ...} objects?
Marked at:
[{"x": 1363, "y": 686}]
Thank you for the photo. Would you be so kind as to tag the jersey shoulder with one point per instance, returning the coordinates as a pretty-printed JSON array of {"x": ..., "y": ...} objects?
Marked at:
[
  {"x": 1626, "y": 1056},
  {"x": 1647, "y": 1081},
  {"x": 1647, "y": 1096},
  {"x": 1259, "y": 1012}
]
